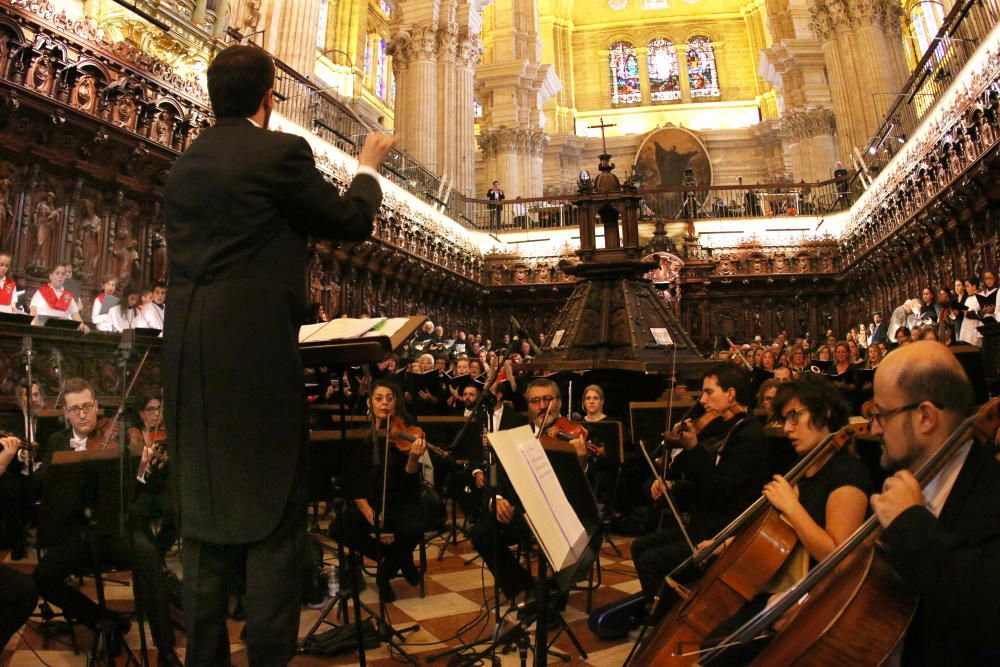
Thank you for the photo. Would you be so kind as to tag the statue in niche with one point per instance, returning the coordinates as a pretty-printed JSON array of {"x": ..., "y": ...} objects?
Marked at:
[
  {"x": 42, "y": 75},
  {"x": 128, "y": 263},
  {"x": 85, "y": 92},
  {"x": 89, "y": 234},
  {"x": 316, "y": 275},
  {"x": 803, "y": 261},
  {"x": 520, "y": 275},
  {"x": 159, "y": 248},
  {"x": 726, "y": 266},
  {"x": 756, "y": 266},
  {"x": 779, "y": 264},
  {"x": 160, "y": 131},
  {"x": 45, "y": 220},
  {"x": 7, "y": 225},
  {"x": 332, "y": 288},
  {"x": 124, "y": 110}
]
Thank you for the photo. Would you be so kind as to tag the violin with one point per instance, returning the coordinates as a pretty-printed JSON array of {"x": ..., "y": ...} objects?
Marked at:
[
  {"x": 104, "y": 435},
  {"x": 564, "y": 430},
  {"x": 22, "y": 445},
  {"x": 402, "y": 436},
  {"x": 702, "y": 422}
]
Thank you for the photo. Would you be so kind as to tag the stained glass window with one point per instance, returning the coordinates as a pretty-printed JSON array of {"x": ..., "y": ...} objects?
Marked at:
[
  {"x": 664, "y": 82},
  {"x": 926, "y": 18},
  {"x": 382, "y": 72},
  {"x": 624, "y": 74},
  {"x": 386, "y": 7},
  {"x": 702, "y": 73}
]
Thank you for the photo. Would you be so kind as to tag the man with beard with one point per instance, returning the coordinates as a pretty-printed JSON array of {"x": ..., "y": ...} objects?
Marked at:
[{"x": 943, "y": 539}]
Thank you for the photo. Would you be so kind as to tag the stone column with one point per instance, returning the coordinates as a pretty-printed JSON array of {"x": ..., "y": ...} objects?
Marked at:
[
  {"x": 864, "y": 62},
  {"x": 414, "y": 58},
  {"x": 297, "y": 35},
  {"x": 463, "y": 132},
  {"x": 809, "y": 140},
  {"x": 682, "y": 71},
  {"x": 447, "y": 146}
]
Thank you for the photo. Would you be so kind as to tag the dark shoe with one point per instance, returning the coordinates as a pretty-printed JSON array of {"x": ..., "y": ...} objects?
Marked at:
[
  {"x": 411, "y": 573},
  {"x": 168, "y": 659}
]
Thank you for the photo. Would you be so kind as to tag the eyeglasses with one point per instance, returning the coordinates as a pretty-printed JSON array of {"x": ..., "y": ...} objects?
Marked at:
[
  {"x": 882, "y": 417},
  {"x": 78, "y": 410},
  {"x": 792, "y": 417},
  {"x": 540, "y": 399}
]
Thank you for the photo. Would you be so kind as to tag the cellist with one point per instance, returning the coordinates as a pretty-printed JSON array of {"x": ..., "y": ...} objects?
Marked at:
[
  {"x": 715, "y": 480},
  {"x": 944, "y": 539},
  {"x": 827, "y": 504}
]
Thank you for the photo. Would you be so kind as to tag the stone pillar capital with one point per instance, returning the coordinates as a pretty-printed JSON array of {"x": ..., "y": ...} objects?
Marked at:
[
  {"x": 494, "y": 141},
  {"x": 807, "y": 124},
  {"x": 469, "y": 49}
]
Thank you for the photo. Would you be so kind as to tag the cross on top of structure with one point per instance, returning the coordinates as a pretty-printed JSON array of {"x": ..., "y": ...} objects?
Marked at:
[{"x": 604, "y": 144}]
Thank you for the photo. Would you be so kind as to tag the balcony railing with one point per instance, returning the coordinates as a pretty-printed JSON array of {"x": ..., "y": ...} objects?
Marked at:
[
  {"x": 768, "y": 200},
  {"x": 966, "y": 26}
]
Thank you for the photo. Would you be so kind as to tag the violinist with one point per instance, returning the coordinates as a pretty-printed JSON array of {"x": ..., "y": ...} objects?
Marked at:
[
  {"x": 603, "y": 463},
  {"x": 394, "y": 509},
  {"x": 504, "y": 519},
  {"x": 18, "y": 595},
  {"x": 593, "y": 404},
  {"x": 944, "y": 539},
  {"x": 150, "y": 437},
  {"x": 826, "y": 506},
  {"x": 73, "y": 552},
  {"x": 765, "y": 403},
  {"x": 18, "y": 489},
  {"x": 715, "y": 481}
]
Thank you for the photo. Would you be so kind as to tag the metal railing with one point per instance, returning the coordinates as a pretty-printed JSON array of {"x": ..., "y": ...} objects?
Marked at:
[
  {"x": 968, "y": 23},
  {"x": 768, "y": 200}
]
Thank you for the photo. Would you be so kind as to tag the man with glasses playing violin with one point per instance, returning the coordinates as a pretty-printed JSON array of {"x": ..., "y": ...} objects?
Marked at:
[
  {"x": 72, "y": 553},
  {"x": 714, "y": 481},
  {"x": 943, "y": 539},
  {"x": 504, "y": 519}
]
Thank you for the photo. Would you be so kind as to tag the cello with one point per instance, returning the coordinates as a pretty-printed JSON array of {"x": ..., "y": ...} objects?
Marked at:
[
  {"x": 853, "y": 607},
  {"x": 762, "y": 542}
]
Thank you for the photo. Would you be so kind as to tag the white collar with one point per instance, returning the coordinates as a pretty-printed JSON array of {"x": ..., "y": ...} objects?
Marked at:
[
  {"x": 255, "y": 123},
  {"x": 936, "y": 491}
]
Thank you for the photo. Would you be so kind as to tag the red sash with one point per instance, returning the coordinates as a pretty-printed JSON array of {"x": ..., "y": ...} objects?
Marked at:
[
  {"x": 100, "y": 298},
  {"x": 60, "y": 302},
  {"x": 7, "y": 292}
]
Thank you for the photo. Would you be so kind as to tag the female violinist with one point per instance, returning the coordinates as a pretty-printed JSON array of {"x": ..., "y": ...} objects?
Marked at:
[
  {"x": 603, "y": 462},
  {"x": 593, "y": 404},
  {"x": 826, "y": 506},
  {"x": 392, "y": 509}
]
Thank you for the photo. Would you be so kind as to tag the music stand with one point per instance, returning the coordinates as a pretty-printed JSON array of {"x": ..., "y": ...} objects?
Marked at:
[
  {"x": 88, "y": 484},
  {"x": 59, "y": 323}
]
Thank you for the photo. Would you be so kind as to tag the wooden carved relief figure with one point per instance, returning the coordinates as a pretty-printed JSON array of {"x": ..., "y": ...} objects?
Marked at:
[
  {"x": 7, "y": 222},
  {"x": 89, "y": 231},
  {"x": 45, "y": 226},
  {"x": 85, "y": 94},
  {"x": 159, "y": 255}
]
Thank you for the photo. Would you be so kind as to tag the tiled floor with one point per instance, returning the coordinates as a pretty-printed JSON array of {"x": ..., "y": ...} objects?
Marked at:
[{"x": 454, "y": 601}]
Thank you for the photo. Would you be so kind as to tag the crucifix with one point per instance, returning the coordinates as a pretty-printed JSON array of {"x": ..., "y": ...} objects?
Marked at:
[{"x": 604, "y": 144}]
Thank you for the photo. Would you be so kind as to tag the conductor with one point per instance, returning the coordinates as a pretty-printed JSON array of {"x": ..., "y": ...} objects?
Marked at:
[{"x": 241, "y": 198}]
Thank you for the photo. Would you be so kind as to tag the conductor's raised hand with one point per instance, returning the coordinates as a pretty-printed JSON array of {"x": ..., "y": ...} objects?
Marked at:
[{"x": 376, "y": 150}]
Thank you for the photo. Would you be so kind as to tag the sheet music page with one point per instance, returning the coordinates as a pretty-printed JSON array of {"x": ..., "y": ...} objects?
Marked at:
[
  {"x": 387, "y": 327},
  {"x": 342, "y": 327},
  {"x": 553, "y": 520}
]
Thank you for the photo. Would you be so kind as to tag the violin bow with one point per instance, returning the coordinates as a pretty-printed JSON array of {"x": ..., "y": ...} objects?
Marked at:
[
  {"x": 670, "y": 500},
  {"x": 128, "y": 392},
  {"x": 670, "y": 410}
]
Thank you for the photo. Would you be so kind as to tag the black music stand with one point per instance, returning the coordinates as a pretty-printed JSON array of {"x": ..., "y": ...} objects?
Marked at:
[{"x": 87, "y": 483}]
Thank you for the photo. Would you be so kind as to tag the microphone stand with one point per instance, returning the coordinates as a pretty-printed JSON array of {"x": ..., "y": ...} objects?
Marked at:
[
  {"x": 29, "y": 409},
  {"x": 385, "y": 629},
  {"x": 489, "y": 492}
]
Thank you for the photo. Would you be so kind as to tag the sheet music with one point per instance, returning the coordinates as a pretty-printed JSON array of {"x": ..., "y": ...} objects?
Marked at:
[
  {"x": 550, "y": 515},
  {"x": 387, "y": 327},
  {"x": 342, "y": 327}
]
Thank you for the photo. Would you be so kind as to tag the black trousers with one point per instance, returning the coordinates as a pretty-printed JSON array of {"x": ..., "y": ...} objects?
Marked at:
[
  {"x": 406, "y": 523},
  {"x": 18, "y": 597},
  {"x": 656, "y": 555},
  {"x": 273, "y": 568},
  {"x": 143, "y": 558},
  {"x": 491, "y": 539}
]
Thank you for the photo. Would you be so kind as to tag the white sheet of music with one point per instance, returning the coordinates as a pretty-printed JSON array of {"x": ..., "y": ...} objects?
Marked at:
[
  {"x": 550, "y": 515},
  {"x": 342, "y": 327}
]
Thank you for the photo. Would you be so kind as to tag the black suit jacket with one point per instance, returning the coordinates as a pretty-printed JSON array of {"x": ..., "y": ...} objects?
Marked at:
[
  {"x": 953, "y": 563},
  {"x": 719, "y": 491},
  {"x": 881, "y": 334},
  {"x": 240, "y": 204}
]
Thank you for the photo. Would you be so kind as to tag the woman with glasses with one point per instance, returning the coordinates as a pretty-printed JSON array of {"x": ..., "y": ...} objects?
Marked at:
[
  {"x": 827, "y": 504},
  {"x": 393, "y": 508}
]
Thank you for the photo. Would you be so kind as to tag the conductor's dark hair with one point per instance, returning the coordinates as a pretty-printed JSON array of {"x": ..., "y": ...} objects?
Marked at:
[
  {"x": 237, "y": 80},
  {"x": 817, "y": 395},
  {"x": 730, "y": 376}
]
